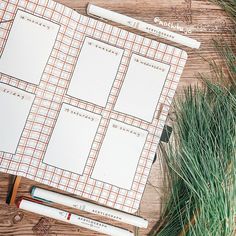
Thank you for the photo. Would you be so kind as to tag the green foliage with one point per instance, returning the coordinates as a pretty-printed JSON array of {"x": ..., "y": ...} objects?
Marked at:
[
  {"x": 229, "y": 6},
  {"x": 201, "y": 160},
  {"x": 202, "y": 164}
]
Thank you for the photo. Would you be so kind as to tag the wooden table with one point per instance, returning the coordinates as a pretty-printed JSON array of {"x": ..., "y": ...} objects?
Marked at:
[{"x": 201, "y": 20}]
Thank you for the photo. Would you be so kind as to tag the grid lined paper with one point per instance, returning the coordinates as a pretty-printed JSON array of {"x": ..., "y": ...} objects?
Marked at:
[{"x": 51, "y": 93}]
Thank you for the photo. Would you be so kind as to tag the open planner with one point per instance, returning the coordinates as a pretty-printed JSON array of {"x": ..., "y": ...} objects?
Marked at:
[{"x": 83, "y": 103}]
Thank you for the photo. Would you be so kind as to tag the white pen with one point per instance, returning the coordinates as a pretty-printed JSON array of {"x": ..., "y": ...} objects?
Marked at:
[
  {"x": 140, "y": 25},
  {"x": 70, "y": 218},
  {"x": 49, "y": 196}
]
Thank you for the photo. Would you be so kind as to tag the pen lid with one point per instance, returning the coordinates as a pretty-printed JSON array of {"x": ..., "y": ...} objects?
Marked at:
[{"x": 38, "y": 198}]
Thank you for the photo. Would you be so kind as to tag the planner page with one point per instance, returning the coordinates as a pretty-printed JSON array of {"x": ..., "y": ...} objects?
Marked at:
[
  {"x": 72, "y": 139},
  {"x": 17, "y": 104},
  {"x": 142, "y": 87},
  {"x": 121, "y": 141},
  {"x": 91, "y": 101},
  {"x": 28, "y": 47},
  {"x": 94, "y": 84}
]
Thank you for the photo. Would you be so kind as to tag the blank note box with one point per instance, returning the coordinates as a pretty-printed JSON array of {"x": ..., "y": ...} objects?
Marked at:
[
  {"x": 119, "y": 155},
  {"x": 95, "y": 71},
  {"x": 28, "y": 47},
  {"x": 15, "y": 105},
  {"x": 72, "y": 139},
  {"x": 142, "y": 87}
]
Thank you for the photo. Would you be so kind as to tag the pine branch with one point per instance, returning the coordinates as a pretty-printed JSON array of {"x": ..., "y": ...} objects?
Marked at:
[{"x": 201, "y": 160}]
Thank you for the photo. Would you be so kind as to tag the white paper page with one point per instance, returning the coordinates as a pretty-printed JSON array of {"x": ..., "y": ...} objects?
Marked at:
[
  {"x": 15, "y": 106},
  {"x": 72, "y": 139},
  {"x": 142, "y": 87},
  {"x": 28, "y": 47},
  {"x": 95, "y": 71},
  {"x": 119, "y": 155}
]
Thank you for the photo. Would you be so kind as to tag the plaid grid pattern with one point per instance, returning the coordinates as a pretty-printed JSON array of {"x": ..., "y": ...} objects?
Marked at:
[{"x": 52, "y": 92}]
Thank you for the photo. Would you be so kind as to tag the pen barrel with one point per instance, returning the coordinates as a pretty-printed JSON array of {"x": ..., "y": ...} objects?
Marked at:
[
  {"x": 67, "y": 217},
  {"x": 98, "y": 226},
  {"x": 68, "y": 201},
  {"x": 142, "y": 26},
  {"x": 110, "y": 15}
]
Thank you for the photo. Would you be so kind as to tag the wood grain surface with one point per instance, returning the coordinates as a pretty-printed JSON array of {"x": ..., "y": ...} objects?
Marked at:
[{"x": 201, "y": 20}]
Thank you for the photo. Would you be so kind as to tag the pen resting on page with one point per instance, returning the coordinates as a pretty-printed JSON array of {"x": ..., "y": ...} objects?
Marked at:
[{"x": 142, "y": 26}]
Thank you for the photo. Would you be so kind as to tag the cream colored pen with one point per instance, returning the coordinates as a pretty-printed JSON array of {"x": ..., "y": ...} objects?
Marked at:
[
  {"x": 57, "y": 214},
  {"x": 50, "y": 196},
  {"x": 142, "y": 26}
]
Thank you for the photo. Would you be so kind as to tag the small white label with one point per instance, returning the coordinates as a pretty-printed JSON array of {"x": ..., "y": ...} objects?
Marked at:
[
  {"x": 142, "y": 87},
  {"x": 72, "y": 139},
  {"x": 28, "y": 47},
  {"x": 119, "y": 155},
  {"x": 15, "y": 106},
  {"x": 95, "y": 72}
]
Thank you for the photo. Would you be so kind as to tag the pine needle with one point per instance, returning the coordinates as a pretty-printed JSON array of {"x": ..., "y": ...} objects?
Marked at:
[{"x": 201, "y": 159}]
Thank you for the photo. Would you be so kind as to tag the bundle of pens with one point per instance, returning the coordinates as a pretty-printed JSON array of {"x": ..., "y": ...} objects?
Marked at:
[{"x": 201, "y": 160}]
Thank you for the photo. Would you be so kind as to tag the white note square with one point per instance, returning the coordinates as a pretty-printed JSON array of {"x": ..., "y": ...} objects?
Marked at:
[
  {"x": 28, "y": 47},
  {"x": 95, "y": 71},
  {"x": 72, "y": 139},
  {"x": 142, "y": 87},
  {"x": 15, "y": 105},
  {"x": 119, "y": 155}
]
